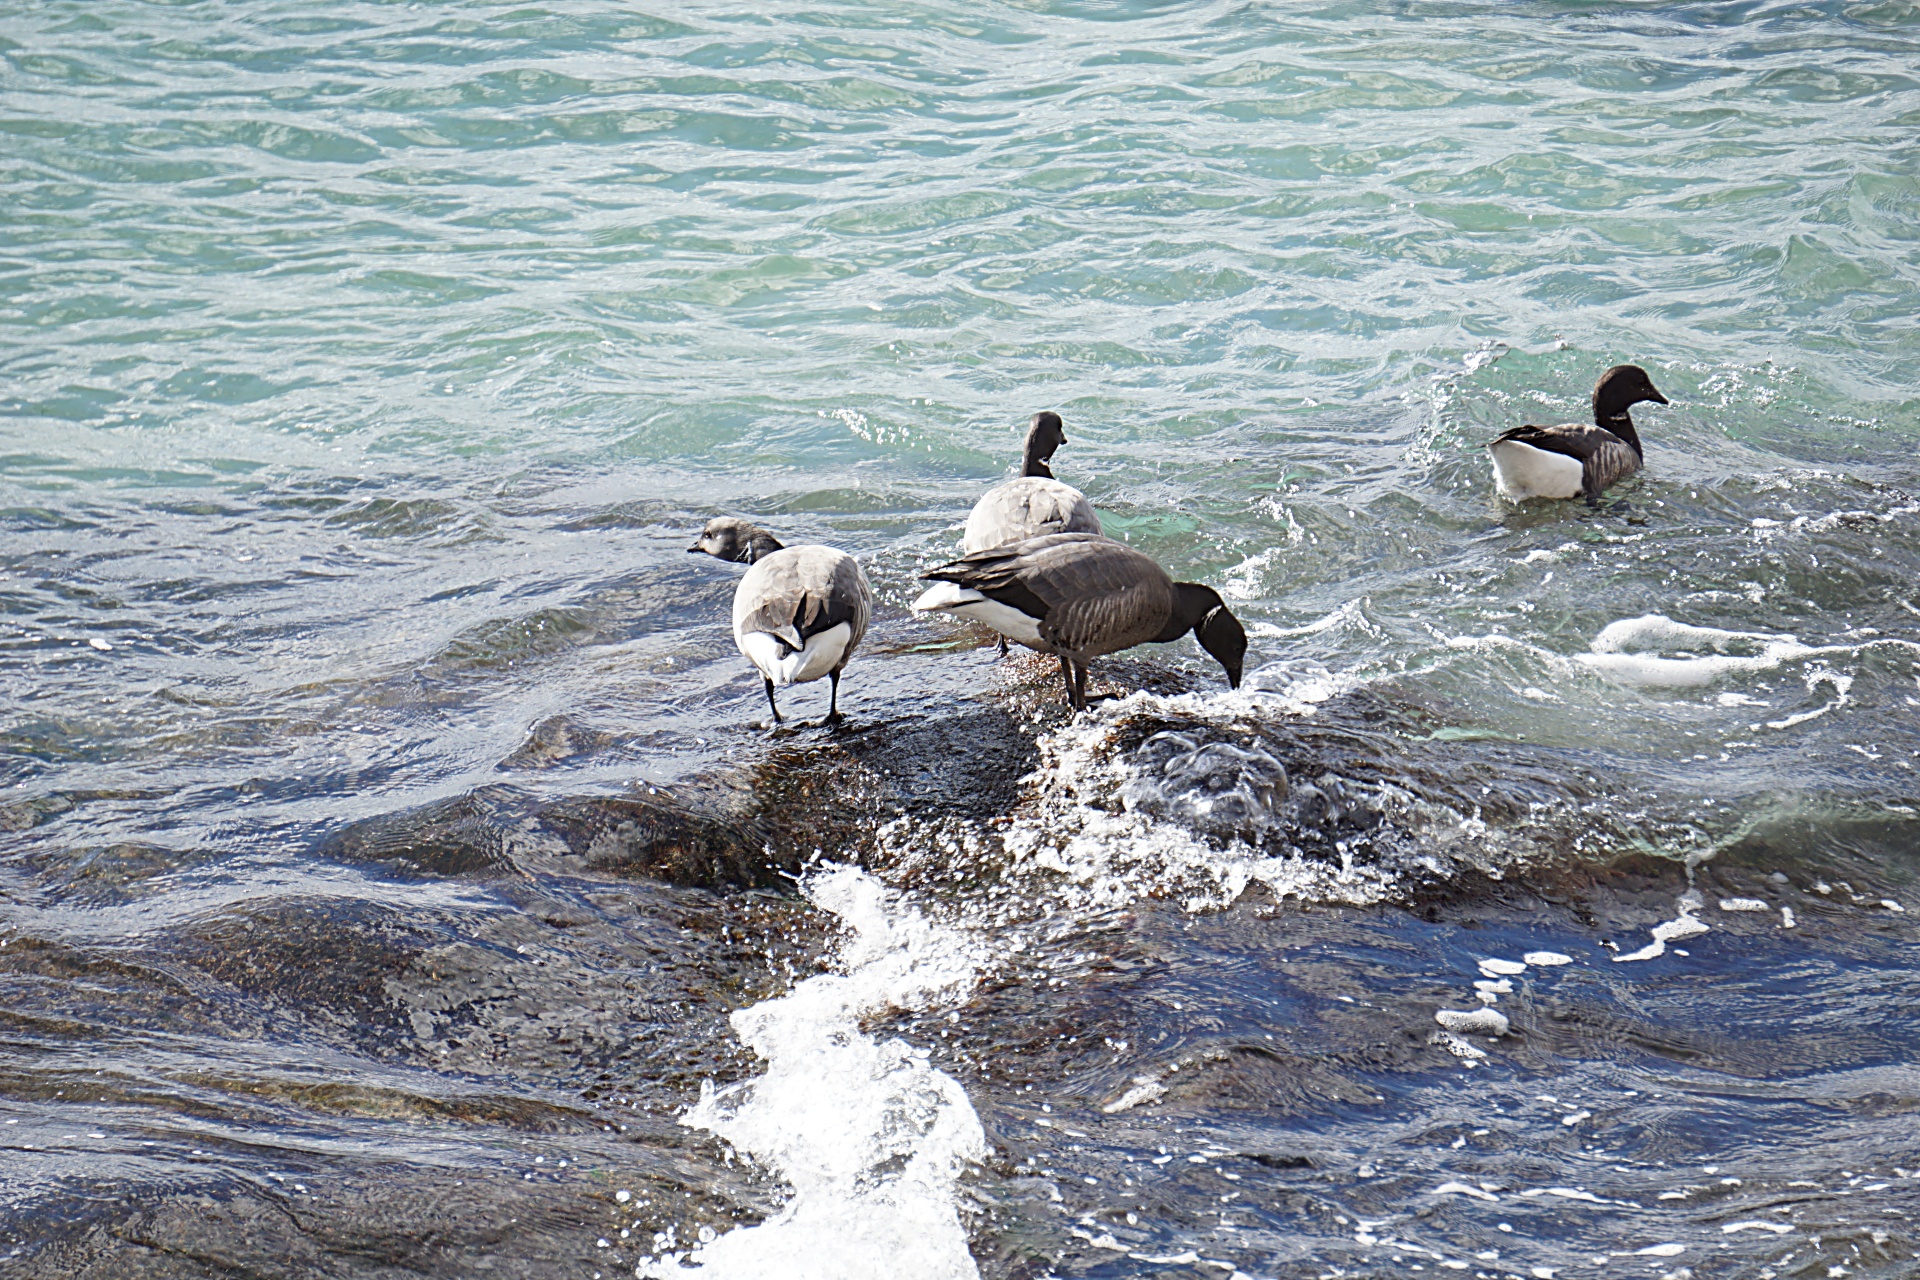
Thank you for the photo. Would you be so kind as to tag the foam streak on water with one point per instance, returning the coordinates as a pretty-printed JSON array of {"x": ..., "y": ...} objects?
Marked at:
[{"x": 868, "y": 1136}]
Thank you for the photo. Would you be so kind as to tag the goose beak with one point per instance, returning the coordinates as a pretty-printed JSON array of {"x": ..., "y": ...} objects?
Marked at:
[
  {"x": 695, "y": 550},
  {"x": 1655, "y": 396}
]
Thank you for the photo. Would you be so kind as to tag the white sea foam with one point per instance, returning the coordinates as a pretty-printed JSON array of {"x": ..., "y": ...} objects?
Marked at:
[
  {"x": 1619, "y": 652},
  {"x": 869, "y": 1136},
  {"x": 1678, "y": 929},
  {"x": 1176, "y": 819},
  {"x": 1622, "y": 652}
]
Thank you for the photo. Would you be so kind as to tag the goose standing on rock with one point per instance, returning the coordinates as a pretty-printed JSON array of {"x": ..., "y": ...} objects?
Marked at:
[
  {"x": 1574, "y": 459},
  {"x": 1081, "y": 596},
  {"x": 798, "y": 614},
  {"x": 1034, "y": 504}
]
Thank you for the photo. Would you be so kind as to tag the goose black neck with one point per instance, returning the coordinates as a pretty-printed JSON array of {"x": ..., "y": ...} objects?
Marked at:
[
  {"x": 1191, "y": 604},
  {"x": 762, "y": 545},
  {"x": 1620, "y": 424},
  {"x": 1036, "y": 463}
]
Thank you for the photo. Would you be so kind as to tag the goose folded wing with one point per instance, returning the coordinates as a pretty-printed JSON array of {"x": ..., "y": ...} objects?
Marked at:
[
  {"x": 1069, "y": 567},
  {"x": 1572, "y": 440},
  {"x": 806, "y": 598}
]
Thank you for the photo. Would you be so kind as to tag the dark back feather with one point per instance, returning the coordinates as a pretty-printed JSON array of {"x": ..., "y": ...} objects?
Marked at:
[{"x": 1092, "y": 595}]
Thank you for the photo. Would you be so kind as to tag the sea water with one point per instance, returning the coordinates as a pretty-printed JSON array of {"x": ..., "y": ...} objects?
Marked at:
[{"x": 383, "y": 796}]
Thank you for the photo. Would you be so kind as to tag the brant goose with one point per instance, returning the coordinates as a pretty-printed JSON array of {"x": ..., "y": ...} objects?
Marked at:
[
  {"x": 1033, "y": 505},
  {"x": 799, "y": 612},
  {"x": 1079, "y": 595},
  {"x": 1571, "y": 460}
]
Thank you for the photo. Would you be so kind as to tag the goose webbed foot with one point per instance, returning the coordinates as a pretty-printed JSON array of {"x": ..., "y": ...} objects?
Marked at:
[{"x": 1003, "y": 646}]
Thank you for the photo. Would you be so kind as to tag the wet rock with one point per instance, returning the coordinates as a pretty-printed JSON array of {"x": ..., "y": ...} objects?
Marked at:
[
  {"x": 1478, "y": 1022},
  {"x": 314, "y": 960},
  {"x": 461, "y": 836},
  {"x": 556, "y": 740},
  {"x": 634, "y": 836},
  {"x": 504, "y": 1217}
]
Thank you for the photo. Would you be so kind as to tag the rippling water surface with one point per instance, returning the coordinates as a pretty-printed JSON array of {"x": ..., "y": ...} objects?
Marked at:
[{"x": 394, "y": 883}]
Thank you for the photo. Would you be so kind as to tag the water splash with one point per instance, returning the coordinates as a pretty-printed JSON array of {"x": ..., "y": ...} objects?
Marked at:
[{"x": 868, "y": 1135}]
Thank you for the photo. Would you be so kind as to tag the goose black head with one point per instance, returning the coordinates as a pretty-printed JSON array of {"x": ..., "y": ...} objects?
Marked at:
[
  {"x": 1217, "y": 630},
  {"x": 1619, "y": 389},
  {"x": 728, "y": 539},
  {"x": 1044, "y": 434}
]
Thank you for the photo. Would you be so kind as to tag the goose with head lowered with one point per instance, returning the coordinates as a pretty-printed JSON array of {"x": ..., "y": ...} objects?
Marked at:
[
  {"x": 1035, "y": 503},
  {"x": 799, "y": 612},
  {"x": 1573, "y": 460},
  {"x": 1081, "y": 596}
]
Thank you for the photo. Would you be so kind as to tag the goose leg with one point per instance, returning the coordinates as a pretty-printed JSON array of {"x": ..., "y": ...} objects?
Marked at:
[
  {"x": 1080, "y": 684},
  {"x": 1066, "y": 674},
  {"x": 833, "y": 703},
  {"x": 1003, "y": 646},
  {"x": 772, "y": 703}
]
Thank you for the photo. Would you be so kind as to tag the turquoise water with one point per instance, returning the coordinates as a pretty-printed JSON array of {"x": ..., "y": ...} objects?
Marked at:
[{"x": 365, "y": 370}]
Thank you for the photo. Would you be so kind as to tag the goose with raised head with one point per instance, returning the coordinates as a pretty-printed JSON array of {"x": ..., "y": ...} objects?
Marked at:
[
  {"x": 1574, "y": 459},
  {"x": 1035, "y": 503},
  {"x": 799, "y": 612},
  {"x": 1081, "y": 596}
]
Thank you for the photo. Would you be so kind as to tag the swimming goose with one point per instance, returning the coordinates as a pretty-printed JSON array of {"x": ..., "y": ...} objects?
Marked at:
[
  {"x": 1034, "y": 504},
  {"x": 798, "y": 614},
  {"x": 1080, "y": 596},
  {"x": 1571, "y": 460}
]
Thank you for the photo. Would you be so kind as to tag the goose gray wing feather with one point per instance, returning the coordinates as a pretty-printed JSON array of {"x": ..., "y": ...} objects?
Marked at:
[
  {"x": 1029, "y": 507},
  {"x": 799, "y": 592},
  {"x": 1092, "y": 595}
]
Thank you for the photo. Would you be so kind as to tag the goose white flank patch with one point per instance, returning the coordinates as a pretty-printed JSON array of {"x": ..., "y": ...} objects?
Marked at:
[
  {"x": 964, "y": 602},
  {"x": 1522, "y": 471},
  {"x": 1575, "y": 460},
  {"x": 1081, "y": 596},
  {"x": 798, "y": 614},
  {"x": 1033, "y": 505}
]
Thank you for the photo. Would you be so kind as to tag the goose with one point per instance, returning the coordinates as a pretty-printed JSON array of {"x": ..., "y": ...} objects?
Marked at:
[
  {"x": 1081, "y": 596},
  {"x": 1574, "y": 459},
  {"x": 799, "y": 612},
  {"x": 1034, "y": 504}
]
